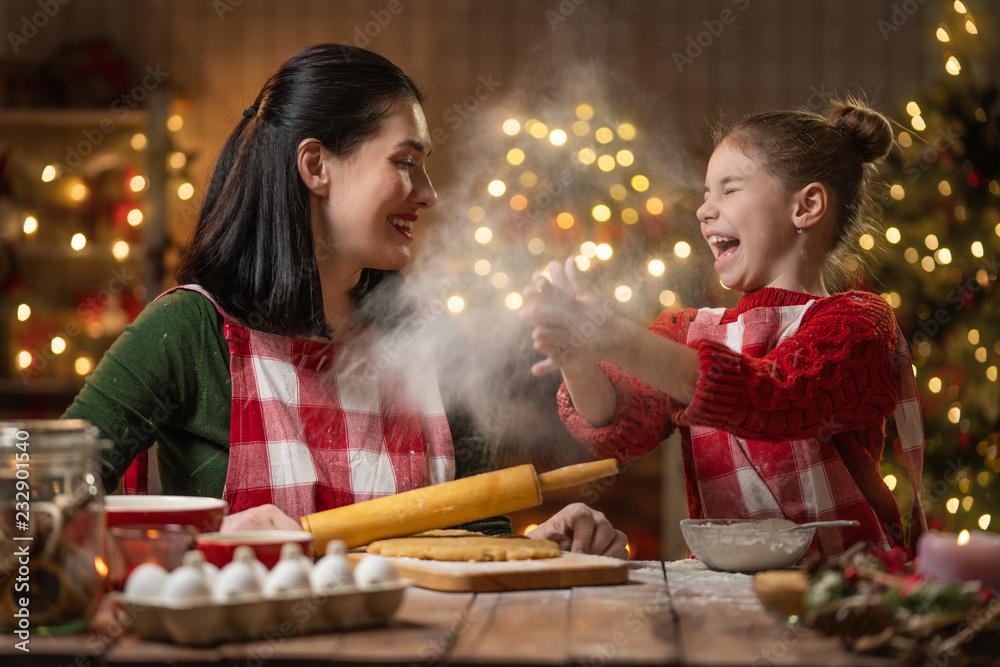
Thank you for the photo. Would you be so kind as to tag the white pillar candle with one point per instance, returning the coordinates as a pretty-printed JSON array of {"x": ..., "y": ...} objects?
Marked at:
[{"x": 968, "y": 556}]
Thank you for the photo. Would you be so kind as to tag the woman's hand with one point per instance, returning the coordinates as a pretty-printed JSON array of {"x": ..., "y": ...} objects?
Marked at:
[
  {"x": 262, "y": 517},
  {"x": 580, "y": 529},
  {"x": 573, "y": 326}
]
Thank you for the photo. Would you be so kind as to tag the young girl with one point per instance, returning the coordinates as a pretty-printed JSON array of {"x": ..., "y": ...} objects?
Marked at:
[
  {"x": 291, "y": 371},
  {"x": 782, "y": 401}
]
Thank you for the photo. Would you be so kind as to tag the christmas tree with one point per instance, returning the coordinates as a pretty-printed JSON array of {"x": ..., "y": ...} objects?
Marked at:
[{"x": 939, "y": 266}]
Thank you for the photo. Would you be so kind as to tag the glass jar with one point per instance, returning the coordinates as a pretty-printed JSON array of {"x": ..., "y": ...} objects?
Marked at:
[{"x": 52, "y": 565}]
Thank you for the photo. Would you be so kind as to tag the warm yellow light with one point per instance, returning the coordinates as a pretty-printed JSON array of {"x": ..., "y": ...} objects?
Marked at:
[
  {"x": 78, "y": 241},
  {"x": 866, "y": 241},
  {"x": 630, "y": 216},
  {"x": 952, "y": 507},
  {"x": 984, "y": 521},
  {"x": 931, "y": 241},
  {"x": 973, "y": 336},
  {"x": 511, "y": 127},
  {"x": 604, "y": 251},
  {"x": 557, "y": 137},
  {"x": 586, "y": 156},
  {"x": 581, "y": 128},
  {"x": 120, "y": 250},
  {"x": 528, "y": 179},
  {"x": 515, "y": 156},
  {"x": 588, "y": 249},
  {"x": 175, "y": 122},
  {"x": 960, "y": 7},
  {"x": 134, "y": 217},
  {"x": 536, "y": 246},
  {"x": 954, "y": 414},
  {"x": 656, "y": 267},
  {"x": 623, "y": 293},
  {"x": 897, "y": 192},
  {"x": 892, "y": 235},
  {"x": 484, "y": 234},
  {"x": 538, "y": 130},
  {"x": 605, "y": 163},
  {"x": 668, "y": 298},
  {"x": 185, "y": 191},
  {"x": 519, "y": 202},
  {"x": 981, "y": 355},
  {"x": 456, "y": 304},
  {"x": 893, "y": 299},
  {"x": 565, "y": 220},
  {"x": 482, "y": 267},
  {"x": 23, "y": 359},
  {"x": 618, "y": 192},
  {"x": 514, "y": 301},
  {"x": 584, "y": 112},
  {"x": 640, "y": 183},
  {"x": 23, "y": 312},
  {"x": 942, "y": 35},
  {"x": 496, "y": 188},
  {"x": 30, "y": 225},
  {"x": 943, "y": 256},
  {"x": 137, "y": 183},
  {"x": 904, "y": 139},
  {"x": 934, "y": 384},
  {"x": 964, "y": 536},
  {"x": 911, "y": 255},
  {"x": 918, "y": 123},
  {"x": 991, "y": 373},
  {"x": 49, "y": 173},
  {"x": 970, "y": 27},
  {"x": 601, "y": 213},
  {"x": 582, "y": 263},
  {"x": 654, "y": 205},
  {"x": 82, "y": 365},
  {"x": 78, "y": 192},
  {"x": 604, "y": 135},
  {"x": 625, "y": 158},
  {"x": 138, "y": 141},
  {"x": 952, "y": 66},
  {"x": 58, "y": 345},
  {"x": 476, "y": 213},
  {"x": 682, "y": 249},
  {"x": 530, "y": 527},
  {"x": 913, "y": 108},
  {"x": 177, "y": 160},
  {"x": 890, "y": 481},
  {"x": 944, "y": 187},
  {"x": 977, "y": 249},
  {"x": 626, "y": 131}
]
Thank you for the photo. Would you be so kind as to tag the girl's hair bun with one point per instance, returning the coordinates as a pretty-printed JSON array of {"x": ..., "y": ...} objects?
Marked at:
[{"x": 869, "y": 129}]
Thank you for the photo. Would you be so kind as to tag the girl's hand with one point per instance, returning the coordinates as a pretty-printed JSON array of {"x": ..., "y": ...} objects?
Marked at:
[
  {"x": 580, "y": 529},
  {"x": 262, "y": 517},
  {"x": 573, "y": 327}
]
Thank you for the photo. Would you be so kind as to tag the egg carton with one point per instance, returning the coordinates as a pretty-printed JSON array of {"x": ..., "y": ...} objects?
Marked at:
[{"x": 195, "y": 623}]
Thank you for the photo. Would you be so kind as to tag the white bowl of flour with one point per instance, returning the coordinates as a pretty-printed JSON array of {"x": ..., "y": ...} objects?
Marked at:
[{"x": 743, "y": 545}]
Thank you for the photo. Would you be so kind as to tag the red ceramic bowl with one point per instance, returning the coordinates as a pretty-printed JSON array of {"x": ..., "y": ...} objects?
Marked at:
[
  {"x": 219, "y": 547},
  {"x": 205, "y": 514}
]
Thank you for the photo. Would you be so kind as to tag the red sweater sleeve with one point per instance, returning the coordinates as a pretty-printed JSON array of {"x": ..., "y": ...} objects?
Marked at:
[
  {"x": 641, "y": 420},
  {"x": 835, "y": 373}
]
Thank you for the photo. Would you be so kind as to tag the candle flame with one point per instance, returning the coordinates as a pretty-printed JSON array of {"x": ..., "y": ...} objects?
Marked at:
[
  {"x": 963, "y": 537},
  {"x": 99, "y": 564}
]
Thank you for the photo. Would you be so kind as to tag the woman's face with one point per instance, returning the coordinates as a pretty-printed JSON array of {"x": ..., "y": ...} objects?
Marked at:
[
  {"x": 366, "y": 220},
  {"x": 747, "y": 221}
]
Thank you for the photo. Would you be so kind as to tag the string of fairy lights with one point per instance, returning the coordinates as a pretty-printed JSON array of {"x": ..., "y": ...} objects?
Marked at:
[
  {"x": 929, "y": 252},
  {"x": 72, "y": 188}
]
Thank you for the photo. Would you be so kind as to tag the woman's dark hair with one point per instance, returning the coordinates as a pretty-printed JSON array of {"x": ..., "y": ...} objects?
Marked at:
[
  {"x": 253, "y": 247},
  {"x": 839, "y": 150}
]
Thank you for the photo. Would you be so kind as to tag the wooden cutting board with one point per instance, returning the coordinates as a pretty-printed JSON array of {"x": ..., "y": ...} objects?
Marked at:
[{"x": 569, "y": 569}]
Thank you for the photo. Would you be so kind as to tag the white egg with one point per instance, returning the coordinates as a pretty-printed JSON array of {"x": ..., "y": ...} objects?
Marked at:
[
  {"x": 196, "y": 559},
  {"x": 238, "y": 578},
  {"x": 331, "y": 572},
  {"x": 289, "y": 576},
  {"x": 146, "y": 581},
  {"x": 185, "y": 584},
  {"x": 336, "y": 548},
  {"x": 375, "y": 570}
]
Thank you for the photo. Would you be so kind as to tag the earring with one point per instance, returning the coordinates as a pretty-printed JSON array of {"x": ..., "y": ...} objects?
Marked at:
[{"x": 798, "y": 230}]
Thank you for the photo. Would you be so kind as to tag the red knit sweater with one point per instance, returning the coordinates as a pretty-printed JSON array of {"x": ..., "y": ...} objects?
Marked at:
[{"x": 833, "y": 378}]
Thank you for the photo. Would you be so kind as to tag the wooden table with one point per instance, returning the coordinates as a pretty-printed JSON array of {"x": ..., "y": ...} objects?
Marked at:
[{"x": 674, "y": 613}]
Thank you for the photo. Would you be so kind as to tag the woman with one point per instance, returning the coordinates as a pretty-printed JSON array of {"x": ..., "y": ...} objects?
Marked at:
[{"x": 292, "y": 372}]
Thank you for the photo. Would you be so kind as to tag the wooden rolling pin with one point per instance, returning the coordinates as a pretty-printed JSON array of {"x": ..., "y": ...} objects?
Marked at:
[{"x": 448, "y": 504}]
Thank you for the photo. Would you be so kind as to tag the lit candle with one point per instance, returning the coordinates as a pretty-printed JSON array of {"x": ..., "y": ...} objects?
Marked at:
[{"x": 969, "y": 556}]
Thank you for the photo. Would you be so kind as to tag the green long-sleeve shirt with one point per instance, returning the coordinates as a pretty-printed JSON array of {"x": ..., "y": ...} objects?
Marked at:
[{"x": 166, "y": 380}]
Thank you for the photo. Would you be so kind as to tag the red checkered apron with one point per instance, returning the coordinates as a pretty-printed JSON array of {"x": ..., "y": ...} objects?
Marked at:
[
  {"x": 318, "y": 425},
  {"x": 801, "y": 480}
]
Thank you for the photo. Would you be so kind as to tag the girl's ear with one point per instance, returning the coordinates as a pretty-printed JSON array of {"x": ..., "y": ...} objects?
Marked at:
[
  {"x": 810, "y": 205},
  {"x": 312, "y": 168}
]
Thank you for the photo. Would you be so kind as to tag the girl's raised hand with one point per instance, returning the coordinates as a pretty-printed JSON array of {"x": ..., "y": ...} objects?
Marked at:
[{"x": 571, "y": 324}]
